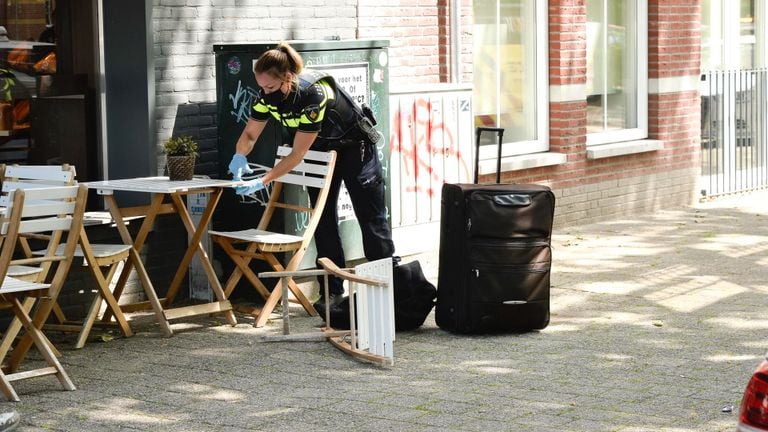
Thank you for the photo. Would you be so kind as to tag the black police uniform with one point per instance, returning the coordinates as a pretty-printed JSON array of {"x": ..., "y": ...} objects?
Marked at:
[{"x": 317, "y": 106}]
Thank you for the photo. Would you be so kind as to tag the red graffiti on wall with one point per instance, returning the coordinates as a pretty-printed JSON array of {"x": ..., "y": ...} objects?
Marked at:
[{"x": 420, "y": 138}]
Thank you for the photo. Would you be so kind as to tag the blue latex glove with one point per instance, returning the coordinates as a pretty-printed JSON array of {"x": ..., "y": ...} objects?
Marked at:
[
  {"x": 250, "y": 187},
  {"x": 239, "y": 166}
]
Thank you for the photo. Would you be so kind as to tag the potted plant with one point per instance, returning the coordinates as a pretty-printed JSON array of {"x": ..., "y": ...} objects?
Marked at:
[{"x": 180, "y": 153}]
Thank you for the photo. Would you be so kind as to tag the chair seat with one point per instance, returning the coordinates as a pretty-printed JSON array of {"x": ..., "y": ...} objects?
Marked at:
[
  {"x": 99, "y": 250},
  {"x": 259, "y": 236},
  {"x": 21, "y": 270},
  {"x": 11, "y": 285}
]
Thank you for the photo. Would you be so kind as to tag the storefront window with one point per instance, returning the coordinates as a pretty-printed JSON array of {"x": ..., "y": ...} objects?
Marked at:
[
  {"x": 615, "y": 70},
  {"x": 27, "y": 53},
  {"x": 510, "y": 71}
]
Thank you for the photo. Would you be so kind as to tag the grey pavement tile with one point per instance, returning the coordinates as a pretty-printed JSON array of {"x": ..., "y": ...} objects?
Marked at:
[
  {"x": 84, "y": 421},
  {"x": 482, "y": 425},
  {"x": 439, "y": 419},
  {"x": 542, "y": 418},
  {"x": 30, "y": 428},
  {"x": 240, "y": 415},
  {"x": 318, "y": 419},
  {"x": 198, "y": 427},
  {"x": 377, "y": 424}
]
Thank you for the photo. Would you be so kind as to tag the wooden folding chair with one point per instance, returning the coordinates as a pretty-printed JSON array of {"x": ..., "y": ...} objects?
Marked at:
[
  {"x": 97, "y": 256},
  {"x": 371, "y": 334},
  {"x": 315, "y": 171},
  {"x": 31, "y": 177},
  {"x": 57, "y": 210}
]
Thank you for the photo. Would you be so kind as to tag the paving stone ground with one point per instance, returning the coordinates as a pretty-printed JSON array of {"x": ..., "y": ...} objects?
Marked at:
[{"x": 657, "y": 324}]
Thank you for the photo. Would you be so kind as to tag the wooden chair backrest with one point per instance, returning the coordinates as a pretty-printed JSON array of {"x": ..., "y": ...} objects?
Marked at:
[
  {"x": 372, "y": 310},
  {"x": 314, "y": 171},
  {"x": 56, "y": 209},
  {"x": 34, "y": 176},
  {"x": 28, "y": 177}
]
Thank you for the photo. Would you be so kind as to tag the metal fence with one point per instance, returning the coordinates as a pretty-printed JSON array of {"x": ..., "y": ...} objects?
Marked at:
[{"x": 734, "y": 131}]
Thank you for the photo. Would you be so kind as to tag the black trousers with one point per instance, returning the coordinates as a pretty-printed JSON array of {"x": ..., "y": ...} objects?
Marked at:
[{"x": 360, "y": 169}]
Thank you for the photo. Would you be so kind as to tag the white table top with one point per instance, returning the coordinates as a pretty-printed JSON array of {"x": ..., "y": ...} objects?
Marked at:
[{"x": 157, "y": 185}]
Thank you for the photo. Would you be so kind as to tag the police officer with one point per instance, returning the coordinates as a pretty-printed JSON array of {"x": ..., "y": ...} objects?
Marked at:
[{"x": 318, "y": 115}]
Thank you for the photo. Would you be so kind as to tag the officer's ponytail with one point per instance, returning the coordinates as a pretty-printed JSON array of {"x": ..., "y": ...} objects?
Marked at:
[
  {"x": 294, "y": 59},
  {"x": 279, "y": 61}
]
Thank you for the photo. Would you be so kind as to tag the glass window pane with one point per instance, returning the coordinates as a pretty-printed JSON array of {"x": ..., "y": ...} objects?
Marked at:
[
  {"x": 611, "y": 66},
  {"x": 711, "y": 35},
  {"x": 747, "y": 34},
  {"x": 504, "y": 67}
]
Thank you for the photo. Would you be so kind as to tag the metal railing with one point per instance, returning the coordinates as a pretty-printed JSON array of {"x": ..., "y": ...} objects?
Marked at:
[{"x": 734, "y": 131}]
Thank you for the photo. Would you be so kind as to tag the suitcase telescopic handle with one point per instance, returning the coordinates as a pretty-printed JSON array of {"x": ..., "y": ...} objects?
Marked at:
[{"x": 479, "y": 131}]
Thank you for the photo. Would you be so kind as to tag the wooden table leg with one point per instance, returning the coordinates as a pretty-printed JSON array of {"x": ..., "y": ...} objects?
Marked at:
[
  {"x": 146, "y": 227},
  {"x": 134, "y": 259},
  {"x": 196, "y": 246},
  {"x": 149, "y": 290}
]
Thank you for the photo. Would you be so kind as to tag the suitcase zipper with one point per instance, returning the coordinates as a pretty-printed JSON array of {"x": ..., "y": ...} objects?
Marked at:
[
  {"x": 526, "y": 268},
  {"x": 532, "y": 268}
]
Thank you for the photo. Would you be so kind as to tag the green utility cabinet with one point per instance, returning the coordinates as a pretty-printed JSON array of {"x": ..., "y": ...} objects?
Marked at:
[{"x": 360, "y": 66}]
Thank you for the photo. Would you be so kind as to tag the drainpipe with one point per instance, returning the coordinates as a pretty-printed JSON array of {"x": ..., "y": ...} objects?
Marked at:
[{"x": 455, "y": 41}]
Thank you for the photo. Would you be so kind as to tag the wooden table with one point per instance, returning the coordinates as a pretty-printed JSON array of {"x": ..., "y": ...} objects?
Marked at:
[{"x": 160, "y": 188}]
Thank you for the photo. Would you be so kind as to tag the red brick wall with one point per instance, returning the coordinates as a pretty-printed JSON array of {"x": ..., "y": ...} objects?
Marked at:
[
  {"x": 419, "y": 35},
  {"x": 674, "y": 38},
  {"x": 674, "y": 50},
  {"x": 567, "y": 42}
]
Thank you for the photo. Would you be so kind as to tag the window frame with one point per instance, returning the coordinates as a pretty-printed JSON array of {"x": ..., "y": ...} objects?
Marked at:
[
  {"x": 540, "y": 59},
  {"x": 640, "y": 42},
  {"x": 730, "y": 42}
]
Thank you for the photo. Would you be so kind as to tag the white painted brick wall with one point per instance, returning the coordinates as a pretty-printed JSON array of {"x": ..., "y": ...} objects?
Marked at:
[{"x": 186, "y": 30}]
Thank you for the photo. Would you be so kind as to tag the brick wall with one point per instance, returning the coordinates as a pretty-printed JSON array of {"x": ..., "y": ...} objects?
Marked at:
[
  {"x": 674, "y": 35},
  {"x": 419, "y": 35}
]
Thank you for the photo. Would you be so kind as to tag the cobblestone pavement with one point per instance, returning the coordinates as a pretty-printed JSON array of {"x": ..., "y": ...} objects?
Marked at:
[{"x": 657, "y": 324}]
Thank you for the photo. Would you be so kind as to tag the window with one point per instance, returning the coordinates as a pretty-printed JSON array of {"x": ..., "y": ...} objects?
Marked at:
[
  {"x": 510, "y": 74},
  {"x": 731, "y": 35},
  {"x": 617, "y": 70},
  {"x": 27, "y": 53}
]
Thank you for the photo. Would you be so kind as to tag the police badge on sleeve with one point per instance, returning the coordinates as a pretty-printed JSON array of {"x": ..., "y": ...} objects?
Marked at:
[{"x": 312, "y": 112}]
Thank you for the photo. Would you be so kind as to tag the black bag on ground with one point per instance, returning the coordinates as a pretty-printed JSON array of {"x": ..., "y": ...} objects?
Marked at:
[
  {"x": 340, "y": 315},
  {"x": 414, "y": 295},
  {"x": 414, "y": 298}
]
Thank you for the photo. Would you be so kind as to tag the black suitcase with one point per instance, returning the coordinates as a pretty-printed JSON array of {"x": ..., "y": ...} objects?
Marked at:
[{"x": 495, "y": 256}]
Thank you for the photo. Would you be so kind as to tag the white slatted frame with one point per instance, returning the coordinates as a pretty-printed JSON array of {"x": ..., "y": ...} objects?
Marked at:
[
  {"x": 43, "y": 205},
  {"x": 375, "y": 306},
  {"x": 298, "y": 175},
  {"x": 42, "y": 173}
]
